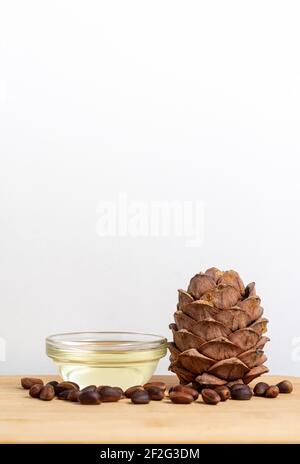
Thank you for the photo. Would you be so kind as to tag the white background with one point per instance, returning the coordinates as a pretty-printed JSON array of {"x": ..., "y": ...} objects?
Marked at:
[{"x": 162, "y": 100}]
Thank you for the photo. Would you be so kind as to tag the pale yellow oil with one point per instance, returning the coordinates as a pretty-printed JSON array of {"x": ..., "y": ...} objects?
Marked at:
[{"x": 116, "y": 368}]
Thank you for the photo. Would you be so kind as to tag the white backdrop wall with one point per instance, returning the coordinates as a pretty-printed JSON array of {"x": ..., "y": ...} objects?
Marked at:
[{"x": 161, "y": 101}]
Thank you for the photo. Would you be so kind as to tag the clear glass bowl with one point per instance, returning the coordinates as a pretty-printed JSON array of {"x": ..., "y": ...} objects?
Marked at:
[{"x": 106, "y": 358}]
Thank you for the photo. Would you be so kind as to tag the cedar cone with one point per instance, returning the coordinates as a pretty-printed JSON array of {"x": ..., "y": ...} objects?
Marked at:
[{"x": 218, "y": 335}]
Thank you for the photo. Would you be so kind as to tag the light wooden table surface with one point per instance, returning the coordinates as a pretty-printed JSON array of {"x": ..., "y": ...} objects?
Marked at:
[{"x": 260, "y": 420}]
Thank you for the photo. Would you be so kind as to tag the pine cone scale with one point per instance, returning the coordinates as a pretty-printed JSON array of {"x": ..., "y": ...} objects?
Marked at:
[{"x": 219, "y": 349}]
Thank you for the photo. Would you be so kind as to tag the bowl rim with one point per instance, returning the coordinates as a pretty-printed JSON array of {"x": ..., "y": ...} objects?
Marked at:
[{"x": 66, "y": 341}]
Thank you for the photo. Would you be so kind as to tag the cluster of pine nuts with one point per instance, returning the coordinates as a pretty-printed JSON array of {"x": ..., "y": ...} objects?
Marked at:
[{"x": 152, "y": 391}]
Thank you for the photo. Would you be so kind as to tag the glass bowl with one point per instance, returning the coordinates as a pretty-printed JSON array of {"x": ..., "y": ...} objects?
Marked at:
[{"x": 120, "y": 359}]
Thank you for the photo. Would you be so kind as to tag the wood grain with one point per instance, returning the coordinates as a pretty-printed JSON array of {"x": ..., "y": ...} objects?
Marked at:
[{"x": 260, "y": 420}]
